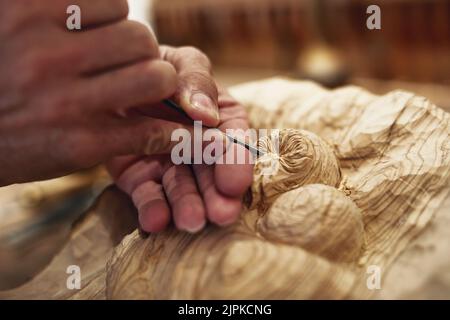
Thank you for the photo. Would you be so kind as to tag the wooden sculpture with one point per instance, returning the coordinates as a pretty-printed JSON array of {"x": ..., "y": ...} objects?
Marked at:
[{"x": 359, "y": 178}]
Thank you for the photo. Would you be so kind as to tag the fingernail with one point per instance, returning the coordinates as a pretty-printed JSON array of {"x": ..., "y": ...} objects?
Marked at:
[
  {"x": 195, "y": 228},
  {"x": 204, "y": 103}
]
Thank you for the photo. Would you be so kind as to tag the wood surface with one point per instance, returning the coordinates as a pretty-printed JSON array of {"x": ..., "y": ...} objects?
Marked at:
[{"x": 380, "y": 198}]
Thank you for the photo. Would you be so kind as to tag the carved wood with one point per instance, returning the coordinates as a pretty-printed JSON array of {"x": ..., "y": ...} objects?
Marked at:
[{"x": 360, "y": 179}]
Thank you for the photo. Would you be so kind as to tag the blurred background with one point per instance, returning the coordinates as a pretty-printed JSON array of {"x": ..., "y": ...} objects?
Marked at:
[{"x": 323, "y": 40}]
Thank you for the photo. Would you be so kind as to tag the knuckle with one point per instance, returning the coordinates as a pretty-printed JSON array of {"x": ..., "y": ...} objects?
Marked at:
[
  {"x": 140, "y": 30},
  {"x": 201, "y": 81},
  {"x": 143, "y": 36},
  {"x": 191, "y": 51},
  {"x": 138, "y": 27},
  {"x": 121, "y": 7},
  {"x": 197, "y": 57}
]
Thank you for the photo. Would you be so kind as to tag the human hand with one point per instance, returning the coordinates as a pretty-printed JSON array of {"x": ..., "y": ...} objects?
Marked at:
[
  {"x": 190, "y": 195},
  {"x": 64, "y": 95}
]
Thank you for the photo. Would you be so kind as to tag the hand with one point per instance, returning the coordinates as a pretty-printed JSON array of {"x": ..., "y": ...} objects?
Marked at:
[
  {"x": 188, "y": 195},
  {"x": 63, "y": 95}
]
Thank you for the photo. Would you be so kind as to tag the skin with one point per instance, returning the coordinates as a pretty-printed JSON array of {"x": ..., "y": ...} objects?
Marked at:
[{"x": 72, "y": 100}]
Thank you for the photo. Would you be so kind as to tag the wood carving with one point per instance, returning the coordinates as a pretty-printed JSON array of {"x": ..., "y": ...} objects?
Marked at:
[
  {"x": 280, "y": 249},
  {"x": 360, "y": 178},
  {"x": 317, "y": 218},
  {"x": 302, "y": 158}
]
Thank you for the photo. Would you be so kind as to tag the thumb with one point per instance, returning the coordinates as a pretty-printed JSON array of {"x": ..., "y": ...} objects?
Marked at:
[{"x": 197, "y": 92}]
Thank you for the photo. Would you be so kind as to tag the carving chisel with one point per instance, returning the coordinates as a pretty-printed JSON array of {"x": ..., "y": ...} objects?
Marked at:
[{"x": 174, "y": 106}]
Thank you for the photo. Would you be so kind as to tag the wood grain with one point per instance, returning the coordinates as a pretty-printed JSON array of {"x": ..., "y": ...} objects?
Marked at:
[
  {"x": 93, "y": 238},
  {"x": 384, "y": 172},
  {"x": 317, "y": 218}
]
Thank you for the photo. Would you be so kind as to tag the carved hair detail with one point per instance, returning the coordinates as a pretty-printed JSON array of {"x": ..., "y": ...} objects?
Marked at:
[{"x": 303, "y": 158}]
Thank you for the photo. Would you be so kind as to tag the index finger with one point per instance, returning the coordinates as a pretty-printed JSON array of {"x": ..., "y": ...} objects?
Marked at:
[{"x": 233, "y": 179}]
